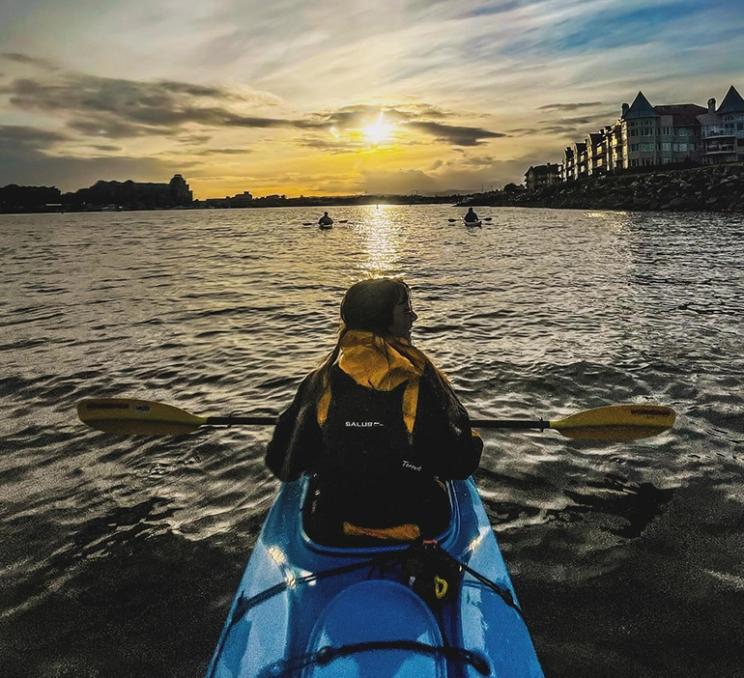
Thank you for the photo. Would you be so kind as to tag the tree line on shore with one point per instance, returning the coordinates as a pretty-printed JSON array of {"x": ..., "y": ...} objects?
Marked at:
[{"x": 717, "y": 187}]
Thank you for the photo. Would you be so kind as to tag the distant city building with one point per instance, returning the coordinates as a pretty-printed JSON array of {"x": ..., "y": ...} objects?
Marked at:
[
  {"x": 542, "y": 175},
  {"x": 132, "y": 195},
  {"x": 244, "y": 199},
  {"x": 180, "y": 190}
]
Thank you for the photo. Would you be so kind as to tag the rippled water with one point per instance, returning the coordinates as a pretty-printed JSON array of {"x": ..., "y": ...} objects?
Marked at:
[{"x": 119, "y": 556}]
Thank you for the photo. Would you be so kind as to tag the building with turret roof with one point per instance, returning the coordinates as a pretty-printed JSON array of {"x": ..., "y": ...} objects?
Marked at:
[
  {"x": 650, "y": 136},
  {"x": 722, "y": 130}
]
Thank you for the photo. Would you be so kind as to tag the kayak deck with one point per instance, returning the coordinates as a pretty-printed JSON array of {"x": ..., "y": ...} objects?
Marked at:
[{"x": 287, "y": 618}]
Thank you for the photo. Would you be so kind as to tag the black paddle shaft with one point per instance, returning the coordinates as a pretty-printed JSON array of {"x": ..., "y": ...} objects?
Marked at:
[
  {"x": 270, "y": 420},
  {"x": 540, "y": 424},
  {"x": 267, "y": 420}
]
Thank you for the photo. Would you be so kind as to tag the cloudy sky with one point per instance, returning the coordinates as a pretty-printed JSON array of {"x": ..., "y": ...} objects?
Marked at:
[{"x": 329, "y": 97}]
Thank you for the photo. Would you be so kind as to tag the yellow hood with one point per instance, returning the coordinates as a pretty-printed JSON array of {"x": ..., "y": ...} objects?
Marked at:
[{"x": 381, "y": 364}]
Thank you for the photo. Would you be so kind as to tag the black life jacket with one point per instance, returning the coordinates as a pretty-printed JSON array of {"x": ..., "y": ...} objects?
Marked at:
[{"x": 366, "y": 438}]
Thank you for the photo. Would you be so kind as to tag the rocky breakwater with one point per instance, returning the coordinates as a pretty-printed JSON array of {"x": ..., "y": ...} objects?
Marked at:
[{"x": 714, "y": 188}]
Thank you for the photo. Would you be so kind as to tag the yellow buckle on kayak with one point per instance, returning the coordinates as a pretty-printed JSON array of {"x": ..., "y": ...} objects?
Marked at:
[{"x": 440, "y": 587}]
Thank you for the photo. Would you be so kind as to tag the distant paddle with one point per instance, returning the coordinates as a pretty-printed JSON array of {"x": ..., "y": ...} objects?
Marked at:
[
  {"x": 487, "y": 218},
  {"x": 343, "y": 221},
  {"x": 308, "y": 223},
  {"x": 612, "y": 423},
  {"x": 452, "y": 221}
]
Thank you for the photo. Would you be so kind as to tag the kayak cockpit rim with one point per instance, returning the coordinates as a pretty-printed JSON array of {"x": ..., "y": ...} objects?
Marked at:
[{"x": 445, "y": 538}]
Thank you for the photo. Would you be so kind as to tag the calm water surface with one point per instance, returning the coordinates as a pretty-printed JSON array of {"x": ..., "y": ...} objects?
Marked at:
[{"x": 120, "y": 555}]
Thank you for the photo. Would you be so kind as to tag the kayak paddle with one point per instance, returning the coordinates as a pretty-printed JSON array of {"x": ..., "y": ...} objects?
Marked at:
[
  {"x": 142, "y": 417},
  {"x": 616, "y": 423}
]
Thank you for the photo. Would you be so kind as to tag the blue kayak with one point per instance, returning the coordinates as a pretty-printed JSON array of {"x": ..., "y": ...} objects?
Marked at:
[{"x": 321, "y": 611}]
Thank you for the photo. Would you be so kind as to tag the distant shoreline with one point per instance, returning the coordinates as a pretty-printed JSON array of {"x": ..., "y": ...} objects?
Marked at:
[
  {"x": 258, "y": 203},
  {"x": 715, "y": 188}
]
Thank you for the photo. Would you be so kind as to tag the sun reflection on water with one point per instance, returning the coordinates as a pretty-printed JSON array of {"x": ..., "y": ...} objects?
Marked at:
[{"x": 381, "y": 236}]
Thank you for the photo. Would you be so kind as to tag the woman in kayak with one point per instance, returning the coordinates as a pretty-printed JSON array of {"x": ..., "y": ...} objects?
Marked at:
[
  {"x": 325, "y": 220},
  {"x": 377, "y": 424}
]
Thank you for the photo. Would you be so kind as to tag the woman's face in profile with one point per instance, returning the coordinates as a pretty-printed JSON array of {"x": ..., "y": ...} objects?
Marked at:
[{"x": 403, "y": 317}]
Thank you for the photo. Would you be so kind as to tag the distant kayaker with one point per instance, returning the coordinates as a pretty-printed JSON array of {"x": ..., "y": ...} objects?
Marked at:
[
  {"x": 378, "y": 424},
  {"x": 325, "y": 220},
  {"x": 471, "y": 215}
]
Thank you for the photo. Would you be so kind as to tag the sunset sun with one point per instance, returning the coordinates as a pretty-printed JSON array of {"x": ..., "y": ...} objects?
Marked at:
[{"x": 379, "y": 131}]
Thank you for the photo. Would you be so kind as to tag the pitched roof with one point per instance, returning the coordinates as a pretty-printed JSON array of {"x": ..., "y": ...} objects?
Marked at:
[
  {"x": 640, "y": 108},
  {"x": 732, "y": 102},
  {"x": 543, "y": 169},
  {"x": 684, "y": 114}
]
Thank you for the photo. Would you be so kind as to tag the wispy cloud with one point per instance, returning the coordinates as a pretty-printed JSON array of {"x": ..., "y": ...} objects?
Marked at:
[
  {"x": 569, "y": 107},
  {"x": 30, "y": 156},
  {"x": 456, "y": 134},
  {"x": 18, "y": 57}
]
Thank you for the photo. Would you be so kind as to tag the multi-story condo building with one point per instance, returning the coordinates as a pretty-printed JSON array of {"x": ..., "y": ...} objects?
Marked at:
[
  {"x": 568, "y": 168},
  {"x": 575, "y": 161},
  {"x": 659, "y": 135},
  {"x": 595, "y": 160},
  {"x": 538, "y": 176},
  {"x": 616, "y": 148},
  {"x": 722, "y": 130},
  {"x": 648, "y": 136},
  {"x": 580, "y": 155}
]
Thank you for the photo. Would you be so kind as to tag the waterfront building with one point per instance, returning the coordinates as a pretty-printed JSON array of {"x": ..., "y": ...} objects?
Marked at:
[
  {"x": 568, "y": 169},
  {"x": 595, "y": 160},
  {"x": 659, "y": 135},
  {"x": 652, "y": 136},
  {"x": 579, "y": 150},
  {"x": 722, "y": 130},
  {"x": 616, "y": 148},
  {"x": 542, "y": 175}
]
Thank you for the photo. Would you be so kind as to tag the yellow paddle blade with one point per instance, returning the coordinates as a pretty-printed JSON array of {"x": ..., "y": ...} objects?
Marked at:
[
  {"x": 136, "y": 417},
  {"x": 617, "y": 422}
]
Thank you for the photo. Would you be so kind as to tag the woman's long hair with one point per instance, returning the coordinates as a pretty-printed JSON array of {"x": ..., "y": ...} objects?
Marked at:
[{"x": 368, "y": 305}]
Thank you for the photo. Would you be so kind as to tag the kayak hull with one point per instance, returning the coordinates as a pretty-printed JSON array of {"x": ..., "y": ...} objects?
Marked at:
[
  {"x": 473, "y": 223},
  {"x": 280, "y": 634}
]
